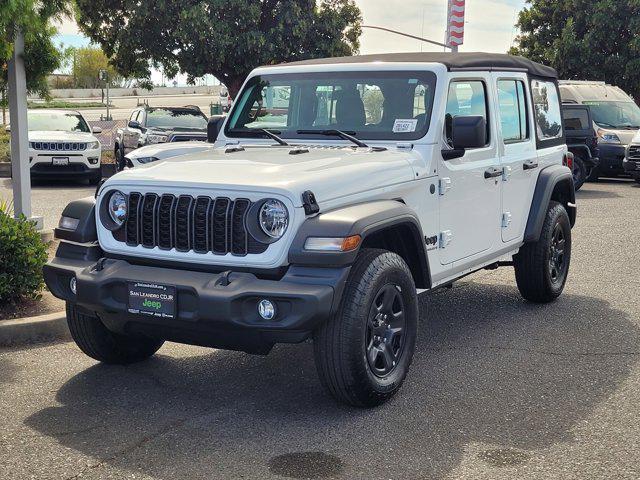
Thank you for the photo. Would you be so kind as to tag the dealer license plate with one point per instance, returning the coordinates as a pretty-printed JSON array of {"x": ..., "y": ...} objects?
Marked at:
[
  {"x": 152, "y": 299},
  {"x": 60, "y": 161}
]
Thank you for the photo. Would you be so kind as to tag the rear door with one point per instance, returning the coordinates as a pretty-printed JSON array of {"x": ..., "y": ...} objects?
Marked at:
[{"x": 517, "y": 150}]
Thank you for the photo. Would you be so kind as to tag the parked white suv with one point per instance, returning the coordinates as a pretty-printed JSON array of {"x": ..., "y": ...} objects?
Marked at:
[
  {"x": 379, "y": 175},
  {"x": 62, "y": 145}
]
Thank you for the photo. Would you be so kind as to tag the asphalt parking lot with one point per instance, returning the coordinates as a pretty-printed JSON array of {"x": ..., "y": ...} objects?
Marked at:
[{"x": 499, "y": 389}]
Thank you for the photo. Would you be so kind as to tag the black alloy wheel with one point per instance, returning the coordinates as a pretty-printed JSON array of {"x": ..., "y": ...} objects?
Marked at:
[
  {"x": 385, "y": 331},
  {"x": 557, "y": 264}
]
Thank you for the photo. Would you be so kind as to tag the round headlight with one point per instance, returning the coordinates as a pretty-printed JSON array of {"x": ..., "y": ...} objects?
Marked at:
[
  {"x": 273, "y": 218},
  {"x": 117, "y": 207}
]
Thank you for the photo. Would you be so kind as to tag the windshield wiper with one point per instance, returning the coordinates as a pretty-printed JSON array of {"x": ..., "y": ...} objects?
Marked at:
[
  {"x": 335, "y": 133},
  {"x": 273, "y": 134}
]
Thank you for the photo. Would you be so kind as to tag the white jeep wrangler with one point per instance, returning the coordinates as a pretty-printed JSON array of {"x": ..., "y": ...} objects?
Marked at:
[{"x": 338, "y": 188}]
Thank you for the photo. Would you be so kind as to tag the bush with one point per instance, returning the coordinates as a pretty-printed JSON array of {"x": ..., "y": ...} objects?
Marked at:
[
  {"x": 4, "y": 145},
  {"x": 22, "y": 256}
]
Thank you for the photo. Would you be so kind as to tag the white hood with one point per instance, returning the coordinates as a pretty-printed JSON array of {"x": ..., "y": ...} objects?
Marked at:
[
  {"x": 636, "y": 138},
  {"x": 166, "y": 150},
  {"x": 328, "y": 172},
  {"x": 60, "y": 136}
]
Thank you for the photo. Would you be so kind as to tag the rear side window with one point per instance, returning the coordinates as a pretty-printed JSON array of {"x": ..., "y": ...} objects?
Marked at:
[
  {"x": 575, "y": 119},
  {"x": 546, "y": 110},
  {"x": 466, "y": 97},
  {"x": 513, "y": 111}
]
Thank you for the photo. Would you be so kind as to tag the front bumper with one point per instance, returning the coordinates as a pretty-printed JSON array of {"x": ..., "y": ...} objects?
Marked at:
[
  {"x": 611, "y": 158},
  {"x": 208, "y": 312},
  {"x": 632, "y": 167}
]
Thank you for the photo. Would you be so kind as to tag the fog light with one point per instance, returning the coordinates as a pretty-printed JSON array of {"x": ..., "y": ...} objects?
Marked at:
[
  {"x": 73, "y": 285},
  {"x": 93, "y": 160},
  {"x": 266, "y": 309}
]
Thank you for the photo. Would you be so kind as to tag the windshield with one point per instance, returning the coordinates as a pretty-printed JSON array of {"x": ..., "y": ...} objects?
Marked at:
[
  {"x": 368, "y": 105},
  {"x": 615, "y": 114},
  {"x": 57, "y": 122},
  {"x": 187, "y": 119}
]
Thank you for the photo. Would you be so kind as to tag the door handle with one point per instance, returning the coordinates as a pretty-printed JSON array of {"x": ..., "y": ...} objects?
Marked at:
[
  {"x": 530, "y": 165},
  {"x": 493, "y": 172}
]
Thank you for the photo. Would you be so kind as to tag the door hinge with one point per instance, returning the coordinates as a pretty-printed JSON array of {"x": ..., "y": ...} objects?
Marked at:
[
  {"x": 506, "y": 219},
  {"x": 444, "y": 184},
  {"x": 445, "y": 238},
  {"x": 506, "y": 173}
]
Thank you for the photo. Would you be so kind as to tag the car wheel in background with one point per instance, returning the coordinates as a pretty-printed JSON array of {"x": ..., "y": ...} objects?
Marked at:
[
  {"x": 579, "y": 172},
  {"x": 364, "y": 351},
  {"x": 120, "y": 161},
  {"x": 593, "y": 174}
]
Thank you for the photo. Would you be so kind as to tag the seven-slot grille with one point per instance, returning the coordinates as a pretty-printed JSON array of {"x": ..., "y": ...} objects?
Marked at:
[
  {"x": 59, "y": 146},
  {"x": 634, "y": 152},
  {"x": 202, "y": 224}
]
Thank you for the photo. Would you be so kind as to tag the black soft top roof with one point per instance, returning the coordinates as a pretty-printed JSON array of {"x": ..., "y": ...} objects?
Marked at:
[{"x": 453, "y": 61}]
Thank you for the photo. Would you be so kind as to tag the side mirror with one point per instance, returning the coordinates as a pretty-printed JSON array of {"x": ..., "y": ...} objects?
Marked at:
[
  {"x": 134, "y": 124},
  {"x": 213, "y": 127},
  {"x": 96, "y": 130},
  {"x": 7, "y": 128},
  {"x": 469, "y": 132}
]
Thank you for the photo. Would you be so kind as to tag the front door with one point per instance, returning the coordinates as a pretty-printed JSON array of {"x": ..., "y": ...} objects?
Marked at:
[{"x": 469, "y": 186}]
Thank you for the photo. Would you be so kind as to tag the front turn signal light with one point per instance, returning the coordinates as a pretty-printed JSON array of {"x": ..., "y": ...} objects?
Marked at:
[{"x": 333, "y": 244}]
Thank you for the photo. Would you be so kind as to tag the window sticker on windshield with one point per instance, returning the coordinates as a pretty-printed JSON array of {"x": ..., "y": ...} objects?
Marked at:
[{"x": 405, "y": 126}]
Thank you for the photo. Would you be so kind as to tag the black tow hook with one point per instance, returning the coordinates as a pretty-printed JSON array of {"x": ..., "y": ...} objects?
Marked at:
[
  {"x": 224, "y": 280},
  {"x": 99, "y": 266}
]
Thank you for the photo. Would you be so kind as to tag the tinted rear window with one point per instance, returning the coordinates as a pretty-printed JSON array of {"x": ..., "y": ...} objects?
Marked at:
[{"x": 575, "y": 119}]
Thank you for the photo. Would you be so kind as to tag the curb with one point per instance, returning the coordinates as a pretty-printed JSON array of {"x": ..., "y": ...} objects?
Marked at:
[{"x": 29, "y": 330}]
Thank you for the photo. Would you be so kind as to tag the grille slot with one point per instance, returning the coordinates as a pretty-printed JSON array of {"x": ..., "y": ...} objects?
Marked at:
[
  {"x": 634, "y": 152},
  {"x": 59, "y": 146},
  {"x": 200, "y": 224}
]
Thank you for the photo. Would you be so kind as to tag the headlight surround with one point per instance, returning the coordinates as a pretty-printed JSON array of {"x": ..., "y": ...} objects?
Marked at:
[
  {"x": 154, "y": 138},
  {"x": 93, "y": 145},
  {"x": 117, "y": 207},
  {"x": 145, "y": 160},
  {"x": 608, "y": 137},
  {"x": 273, "y": 218}
]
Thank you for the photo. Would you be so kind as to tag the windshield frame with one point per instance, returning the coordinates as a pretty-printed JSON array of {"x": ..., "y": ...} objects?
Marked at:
[
  {"x": 244, "y": 98},
  {"x": 77, "y": 115},
  {"x": 616, "y": 103}
]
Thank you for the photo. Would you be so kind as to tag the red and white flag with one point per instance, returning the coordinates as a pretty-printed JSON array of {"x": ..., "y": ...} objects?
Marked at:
[{"x": 455, "y": 22}]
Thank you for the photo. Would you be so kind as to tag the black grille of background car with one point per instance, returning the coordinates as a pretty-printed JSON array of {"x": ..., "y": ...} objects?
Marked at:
[
  {"x": 634, "y": 152},
  {"x": 186, "y": 223},
  {"x": 59, "y": 146},
  {"x": 187, "y": 138}
]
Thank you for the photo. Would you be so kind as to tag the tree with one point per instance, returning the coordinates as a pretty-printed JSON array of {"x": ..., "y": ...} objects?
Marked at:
[
  {"x": 86, "y": 63},
  {"x": 584, "y": 39},
  {"x": 41, "y": 57},
  {"x": 225, "y": 38}
]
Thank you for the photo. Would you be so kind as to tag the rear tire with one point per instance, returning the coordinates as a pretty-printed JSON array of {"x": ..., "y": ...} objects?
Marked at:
[
  {"x": 120, "y": 162},
  {"x": 579, "y": 172},
  {"x": 100, "y": 343},
  {"x": 593, "y": 174},
  {"x": 542, "y": 267},
  {"x": 363, "y": 353}
]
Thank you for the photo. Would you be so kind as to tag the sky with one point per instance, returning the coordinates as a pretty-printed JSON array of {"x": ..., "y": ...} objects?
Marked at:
[{"x": 489, "y": 26}]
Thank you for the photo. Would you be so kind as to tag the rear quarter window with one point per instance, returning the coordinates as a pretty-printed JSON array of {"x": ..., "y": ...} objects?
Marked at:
[
  {"x": 546, "y": 109},
  {"x": 575, "y": 119}
]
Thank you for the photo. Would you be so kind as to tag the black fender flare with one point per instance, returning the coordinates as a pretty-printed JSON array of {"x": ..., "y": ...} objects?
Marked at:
[
  {"x": 362, "y": 219},
  {"x": 83, "y": 210},
  {"x": 554, "y": 178}
]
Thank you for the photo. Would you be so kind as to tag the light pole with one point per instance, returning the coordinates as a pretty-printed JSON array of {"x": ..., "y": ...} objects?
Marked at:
[{"x": 454, "y": 48}]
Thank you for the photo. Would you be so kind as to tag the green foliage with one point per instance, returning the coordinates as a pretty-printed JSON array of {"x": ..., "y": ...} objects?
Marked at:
[
  {"x": 225, "y": 38},
  {"x": 32, "y": 17},
  {"x": 22, "y": 256},
  {"x": 373, "y": 103},
  {"x": 86, "y": 63},
  {"x": 584, "y": 39},
  {"x": 4, "y": 145}
]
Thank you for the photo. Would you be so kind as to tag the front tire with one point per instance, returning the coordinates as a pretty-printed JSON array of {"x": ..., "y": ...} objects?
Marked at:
[
  {"x": 542, "y": 267},
  {"x": 363, "y": 353},
  {"x": 101, "y": 344}
]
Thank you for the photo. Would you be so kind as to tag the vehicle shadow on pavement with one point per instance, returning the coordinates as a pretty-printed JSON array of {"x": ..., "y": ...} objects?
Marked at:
[{"x": 492, "y": 374}]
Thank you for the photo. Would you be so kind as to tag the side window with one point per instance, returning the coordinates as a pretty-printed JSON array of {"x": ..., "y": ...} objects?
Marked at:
[
  {"x": 513, "y": 111},
  {"x": 134, "y": 115},
  {"x": 575, "y": 119},
  {"x": 546, "y": 110},
  {"x": 466, "y": 97}
]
